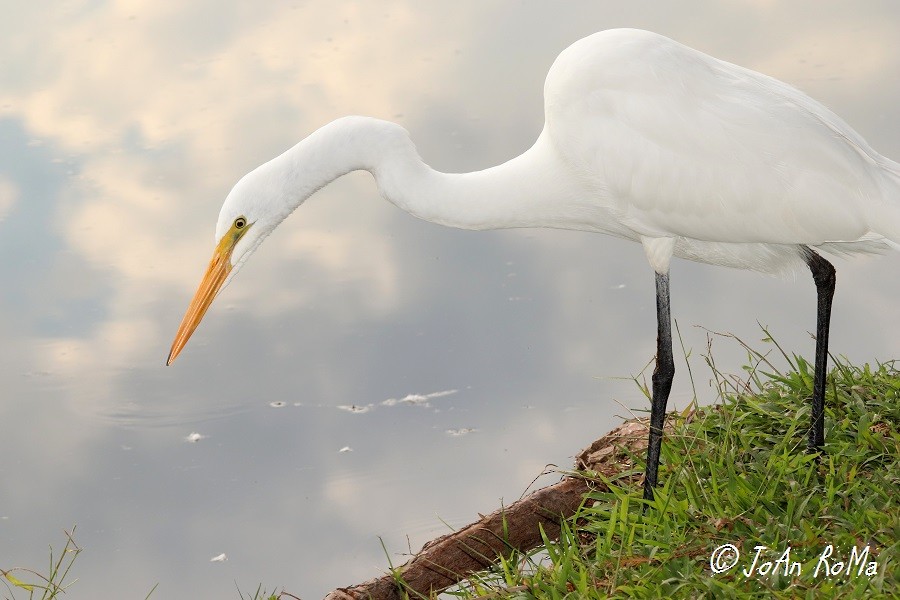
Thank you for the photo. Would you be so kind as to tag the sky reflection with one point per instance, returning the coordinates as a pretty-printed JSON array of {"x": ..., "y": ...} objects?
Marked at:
[{"x": 122, "y": 127}]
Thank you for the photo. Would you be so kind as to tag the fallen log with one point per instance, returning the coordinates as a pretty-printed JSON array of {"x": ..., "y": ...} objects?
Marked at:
[{"x": 449, "y": 559}]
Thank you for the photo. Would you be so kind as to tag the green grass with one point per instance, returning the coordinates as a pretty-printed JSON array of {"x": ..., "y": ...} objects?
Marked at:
[
  {"x": 262, "y": 594},
  {"x": 737, "y": 473},
  {"x": 22, "y": 582},
  {"x": 37, "y": 585}
]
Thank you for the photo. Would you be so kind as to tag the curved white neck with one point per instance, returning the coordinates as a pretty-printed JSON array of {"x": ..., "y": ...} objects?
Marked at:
[{"x": 529, "y": 190}]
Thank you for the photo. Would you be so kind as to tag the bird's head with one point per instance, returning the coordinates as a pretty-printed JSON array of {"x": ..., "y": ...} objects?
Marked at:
[
  {"x": 244, "y": 221},
  {"x": 265, "y": 196}
]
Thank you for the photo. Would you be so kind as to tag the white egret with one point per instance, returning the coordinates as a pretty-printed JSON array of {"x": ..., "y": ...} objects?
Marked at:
[{"x": 644, "y": 139}]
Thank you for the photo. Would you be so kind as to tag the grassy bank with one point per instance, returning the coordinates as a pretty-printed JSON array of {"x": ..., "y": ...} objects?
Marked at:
[{"x": 744, "y": 511}]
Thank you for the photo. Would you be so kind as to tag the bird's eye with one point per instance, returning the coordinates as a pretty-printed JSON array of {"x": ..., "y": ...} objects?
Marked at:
[{"x": 240, "y": 223}]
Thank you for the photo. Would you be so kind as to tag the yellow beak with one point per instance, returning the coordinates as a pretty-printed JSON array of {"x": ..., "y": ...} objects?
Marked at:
[{"x": 216, "y": 274}]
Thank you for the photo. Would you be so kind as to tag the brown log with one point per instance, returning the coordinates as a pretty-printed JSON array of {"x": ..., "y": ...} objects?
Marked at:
[{"x": 449, "y": 559}]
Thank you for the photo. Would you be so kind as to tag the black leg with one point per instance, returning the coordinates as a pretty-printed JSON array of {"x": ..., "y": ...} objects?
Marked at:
[
  {"x": 662, "y": 382},
  {"x": 824, "y": 276}
]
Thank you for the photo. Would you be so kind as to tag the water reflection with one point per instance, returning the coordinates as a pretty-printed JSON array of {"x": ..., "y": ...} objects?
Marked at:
[{"x": 122, "y": 126}]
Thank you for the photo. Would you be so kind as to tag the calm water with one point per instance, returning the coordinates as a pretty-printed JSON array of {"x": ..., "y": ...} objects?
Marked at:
[{"x": 123, "y": 126}]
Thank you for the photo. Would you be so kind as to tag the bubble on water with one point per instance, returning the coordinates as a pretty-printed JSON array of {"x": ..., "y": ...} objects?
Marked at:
[
  {"x": 356, "y": 409},
  {"x": 417, "y": 399},
  {"x": 461, "y": 432}
]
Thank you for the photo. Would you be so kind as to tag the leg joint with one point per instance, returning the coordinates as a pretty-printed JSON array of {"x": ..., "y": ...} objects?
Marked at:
[
  {"x": 822, "y": 271},
  {"x": 665, "y": 368}
]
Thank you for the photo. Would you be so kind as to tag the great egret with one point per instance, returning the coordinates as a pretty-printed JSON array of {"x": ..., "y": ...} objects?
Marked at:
[{"x": 644, "y": 139}]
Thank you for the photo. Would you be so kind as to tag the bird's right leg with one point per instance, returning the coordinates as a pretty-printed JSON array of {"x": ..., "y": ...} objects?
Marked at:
[
  {"x": 663, "y": 375},
  {"x": 824, "y": 276}
]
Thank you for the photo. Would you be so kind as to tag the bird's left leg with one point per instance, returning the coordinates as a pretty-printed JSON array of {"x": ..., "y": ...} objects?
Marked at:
[
  {"x": 663, "y": 375},
  {"x": 824, "y": 275},
  {"x": 659, "y": 253}
]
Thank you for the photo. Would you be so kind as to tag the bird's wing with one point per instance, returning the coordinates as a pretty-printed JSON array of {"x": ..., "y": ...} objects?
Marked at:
[{"x": 684, "y": 144}]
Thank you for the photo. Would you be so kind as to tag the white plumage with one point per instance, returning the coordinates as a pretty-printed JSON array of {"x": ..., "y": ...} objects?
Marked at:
[
  {"x": 644, "y": 139},
  {"x": 677, "y": 143}
]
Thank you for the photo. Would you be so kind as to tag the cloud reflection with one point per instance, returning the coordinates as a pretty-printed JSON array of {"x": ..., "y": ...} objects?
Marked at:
[{"x": 9, "y": 195}]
